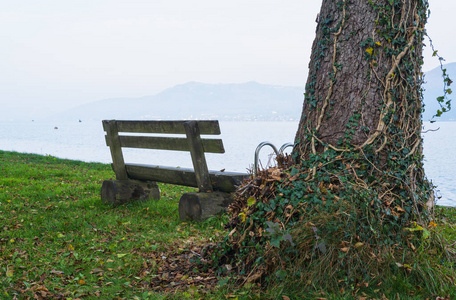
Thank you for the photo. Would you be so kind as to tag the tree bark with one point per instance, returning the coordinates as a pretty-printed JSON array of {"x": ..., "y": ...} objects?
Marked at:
[
  {"x": 354, "y": 69},
  {"x": 363, "y": 93}
]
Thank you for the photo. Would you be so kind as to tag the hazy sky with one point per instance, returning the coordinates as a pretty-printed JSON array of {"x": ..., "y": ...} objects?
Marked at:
[{"x": 58, "y": 54}]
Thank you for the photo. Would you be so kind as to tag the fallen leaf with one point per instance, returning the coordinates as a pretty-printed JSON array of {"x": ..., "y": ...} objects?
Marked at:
[
  {"x": 9, "y": 273},
  {"x": 242, "y": 215},
  {"x": 359, "y": 244},
  {"x": 399, "y": 209},
  {"x": 96, "y": 270},
  {"x": 344, "y": 244},
  {"x": 408, "y": 266},
  {"x": 183, "y": 278},
  {"x": 345, "y": 249},
  {"x": 257, "y": 276}
]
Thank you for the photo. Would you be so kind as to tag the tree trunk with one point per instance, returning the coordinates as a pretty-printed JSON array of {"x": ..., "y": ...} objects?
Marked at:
[{"x": 363, "y": 93}]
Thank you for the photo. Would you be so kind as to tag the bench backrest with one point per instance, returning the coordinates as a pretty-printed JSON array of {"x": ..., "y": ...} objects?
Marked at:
[{"x": 192, "y": 142}]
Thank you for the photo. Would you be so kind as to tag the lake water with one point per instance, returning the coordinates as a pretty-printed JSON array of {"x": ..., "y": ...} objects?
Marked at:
[{"x": 85, "y": 141}]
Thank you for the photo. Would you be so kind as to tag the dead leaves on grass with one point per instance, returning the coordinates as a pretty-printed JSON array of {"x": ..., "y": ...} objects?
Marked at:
[{"x": 179, "y": 268}]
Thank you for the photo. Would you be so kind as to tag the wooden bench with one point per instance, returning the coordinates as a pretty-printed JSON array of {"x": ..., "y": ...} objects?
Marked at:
[{"x": 138, "y": 181}]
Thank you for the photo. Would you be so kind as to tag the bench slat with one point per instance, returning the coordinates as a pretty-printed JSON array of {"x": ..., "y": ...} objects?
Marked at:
[
  {"x": 167, "y": 143},
  {"x": 171, "y": 127},
  {"x": 199, "y": 160},
  {"x": 221, "y": 181},
  {"x": 116, "y": 151}
]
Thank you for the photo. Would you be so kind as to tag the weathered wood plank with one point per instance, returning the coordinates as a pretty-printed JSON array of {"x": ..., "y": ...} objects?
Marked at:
[
  {"x": 198, "y": 158},
  {"x": 116, "y": 150},
  {"x": 172, "y": 127},
  {"x": 221, "y": 181},
  {"x": 167, "y": 143}
]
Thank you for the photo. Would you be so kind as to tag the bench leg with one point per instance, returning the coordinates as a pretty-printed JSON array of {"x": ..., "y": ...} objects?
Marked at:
[
  {"x": 200, "y": 206},
  {"x": 117, "y": 192}
]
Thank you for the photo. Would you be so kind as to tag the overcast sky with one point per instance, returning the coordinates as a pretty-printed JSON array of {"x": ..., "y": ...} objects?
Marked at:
[{"x": 62, "y": 53}]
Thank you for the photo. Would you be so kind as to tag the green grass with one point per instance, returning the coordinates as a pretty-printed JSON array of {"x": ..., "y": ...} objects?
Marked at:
[
  {"x": 59, "y": 241},
  {"x": 58, "y": 238}
]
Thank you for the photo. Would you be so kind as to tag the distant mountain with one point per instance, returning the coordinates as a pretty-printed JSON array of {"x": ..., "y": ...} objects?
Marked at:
[
  {"x": 244, "y": 102},
  {"x": 434, "y": 88},
  {"x": 193, "y": 100}
]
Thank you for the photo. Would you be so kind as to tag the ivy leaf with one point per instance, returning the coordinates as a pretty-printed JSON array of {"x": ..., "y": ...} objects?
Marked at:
[
  {"x": 294, "y": 171},
  {"x": 251, "y": 201},
  {"x": 270, "y": 231},
  {"x": 273, "y": 226},
  {"x": 370, "y": 50},
  {"x": 322, "y": 247},
  {"x": 287, "y": 237},
  {"x": 275, "y": 242},
  {"x": 426, "y": 233}
]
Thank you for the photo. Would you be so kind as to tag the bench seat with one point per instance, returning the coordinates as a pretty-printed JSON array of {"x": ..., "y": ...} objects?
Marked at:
[{"x": 221, "y": 181}]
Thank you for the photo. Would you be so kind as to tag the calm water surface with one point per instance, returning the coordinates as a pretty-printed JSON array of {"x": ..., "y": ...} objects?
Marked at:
[{"x": 85, "y": 141}]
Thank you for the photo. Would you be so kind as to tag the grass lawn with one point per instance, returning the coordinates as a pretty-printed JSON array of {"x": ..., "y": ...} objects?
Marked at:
[{"x": 58, "y": 241}]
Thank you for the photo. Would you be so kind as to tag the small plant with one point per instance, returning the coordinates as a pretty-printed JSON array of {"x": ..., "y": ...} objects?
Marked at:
[{"x": 277, "y": 235}]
